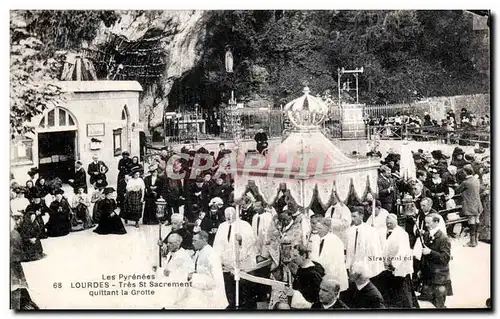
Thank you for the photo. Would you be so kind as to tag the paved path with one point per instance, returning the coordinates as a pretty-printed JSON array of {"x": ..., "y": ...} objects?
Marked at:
[{"x": 85, "y": 256}]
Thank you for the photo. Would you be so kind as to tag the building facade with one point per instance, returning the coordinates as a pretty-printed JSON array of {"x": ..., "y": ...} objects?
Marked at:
[{"x": 98, "y": 117}]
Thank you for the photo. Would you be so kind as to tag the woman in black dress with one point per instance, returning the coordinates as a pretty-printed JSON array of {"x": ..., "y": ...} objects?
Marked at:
[
  {"x": 109, "y": 222},
  {"x": 32, "y": 230},
  {"x": 30, "y": 190},
  {"x": 60, "y": 212},
  {"x": 38, "y": 209}
]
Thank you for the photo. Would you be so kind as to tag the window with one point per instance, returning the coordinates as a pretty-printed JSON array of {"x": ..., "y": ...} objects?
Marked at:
[
  {"x": 56, "y": 118},
  {"x": 117, "y": 141},
  {"x": 21, "y": 151},
  {"x": 62, "y": 117},
  {"x": 51, "y": 118}
]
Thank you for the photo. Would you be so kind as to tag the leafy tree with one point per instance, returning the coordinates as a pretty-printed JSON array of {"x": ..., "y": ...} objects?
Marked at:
[
  {"x": 34, "y": 63},
  {"x": 406, "y": 54}
]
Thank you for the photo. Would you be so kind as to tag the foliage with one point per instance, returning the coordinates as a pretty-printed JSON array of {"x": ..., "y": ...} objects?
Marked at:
[
  {"x": 407, "y": 55},
  {"x": 31, "y": 91},
  {"x": 34, "y": 62},
  {"x": 67, "y": 29}
]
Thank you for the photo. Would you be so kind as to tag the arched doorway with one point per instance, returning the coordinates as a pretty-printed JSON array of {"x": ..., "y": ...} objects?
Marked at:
[{"x": 57, "y": 143}]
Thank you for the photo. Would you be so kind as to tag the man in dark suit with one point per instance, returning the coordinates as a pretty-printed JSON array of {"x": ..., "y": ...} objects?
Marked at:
[
  {"x": 329, "y": 291},
  {"x": 387, "y": 188},
  {"x": 435, "y": 271},
  {"x": 471, "y": 202},
  {"x": 362, "y": 294},
  {"x": 97, "y": 170},
  {"x": 79, "y": 178}
]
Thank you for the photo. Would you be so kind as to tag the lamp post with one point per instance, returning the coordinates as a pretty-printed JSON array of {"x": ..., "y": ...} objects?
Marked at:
[{"x": 160, "y": 213}]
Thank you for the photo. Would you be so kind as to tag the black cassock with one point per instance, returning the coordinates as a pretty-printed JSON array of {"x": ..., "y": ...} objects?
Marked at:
[
  {"x": 59, "y": 221},
  {"x": 153, "y": 192},
  {"x": 109, "y": 224}
]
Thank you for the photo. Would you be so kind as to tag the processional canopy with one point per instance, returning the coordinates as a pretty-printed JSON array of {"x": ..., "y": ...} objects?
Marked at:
[{"x": 306, "y": 112}]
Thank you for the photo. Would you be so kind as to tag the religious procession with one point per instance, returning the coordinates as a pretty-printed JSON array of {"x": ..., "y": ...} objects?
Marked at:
[{"x": 335, "y": 206}]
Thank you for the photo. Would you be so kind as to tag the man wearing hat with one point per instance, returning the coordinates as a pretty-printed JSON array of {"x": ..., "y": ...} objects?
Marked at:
[
  {"x": 60, "y": 212},
  {"x": 387, "y": 188},
  {"x": 471, "y": 202}
]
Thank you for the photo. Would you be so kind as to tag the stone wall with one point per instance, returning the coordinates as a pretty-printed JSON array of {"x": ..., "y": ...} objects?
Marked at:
[{"x": 478, "y": 104}]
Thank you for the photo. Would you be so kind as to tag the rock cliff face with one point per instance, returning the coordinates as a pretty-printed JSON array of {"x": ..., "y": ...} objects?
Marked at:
[{"x": 181, "y": 34}]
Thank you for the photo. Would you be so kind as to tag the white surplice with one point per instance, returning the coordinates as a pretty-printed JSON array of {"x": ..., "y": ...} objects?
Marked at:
[
  {"x": 179, "y": 262},
  {"x": 331, "y": 258},
  {"x": 207, "y": 290},
  {"x": 341, "y": 220},
  {"x": 379, "y": 222},
  {"x": 397, "y": 252},
  {"x": 367, "y": 251},
  {"x": 225, "y": 246},
  {"x": 264, "y": 221}
]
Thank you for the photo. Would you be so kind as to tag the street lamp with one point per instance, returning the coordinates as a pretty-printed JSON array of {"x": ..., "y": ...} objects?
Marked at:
[{"x": 160, "y": 213}]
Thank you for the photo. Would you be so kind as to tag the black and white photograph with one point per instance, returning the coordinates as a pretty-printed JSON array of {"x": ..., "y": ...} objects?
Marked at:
[{"x": 271, "y": 160}]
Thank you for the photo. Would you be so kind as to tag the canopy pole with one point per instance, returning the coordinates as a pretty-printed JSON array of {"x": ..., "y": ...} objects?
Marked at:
[{"x": 236, "y": 257}]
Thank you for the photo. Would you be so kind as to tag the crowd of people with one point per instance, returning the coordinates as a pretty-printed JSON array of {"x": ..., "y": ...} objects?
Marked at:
[
  {"x": 450, "y": 129},
  {"x": 390, "y": 251}
]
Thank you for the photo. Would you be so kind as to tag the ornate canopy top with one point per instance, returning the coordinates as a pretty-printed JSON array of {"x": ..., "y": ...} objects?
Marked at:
[{"x": 307, "y": 111}]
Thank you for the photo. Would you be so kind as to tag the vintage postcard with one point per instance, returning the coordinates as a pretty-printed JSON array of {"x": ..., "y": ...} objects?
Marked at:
[{"x": 265, "y": 159}]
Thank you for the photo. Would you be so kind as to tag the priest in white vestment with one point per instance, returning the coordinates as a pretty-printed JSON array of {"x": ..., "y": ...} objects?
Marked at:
[
  {"x": 328, "y": 250},
  {"x": 378, "y": 220},
  {"x": 207, "y": 281},
  {"x": 235, "y": 240},
  {"x": 176, "y": 266},
  {"x": 261, "y": 222},
  {"x": 398, "y": 262},
  {"x": 363, "y": 245},
  {"x": 178, "y": 261},
  {"x": 341, "y": 220}
]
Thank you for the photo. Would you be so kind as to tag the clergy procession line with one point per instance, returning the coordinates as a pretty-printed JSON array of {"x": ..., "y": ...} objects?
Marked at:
[{"x": 388, "y": 252}]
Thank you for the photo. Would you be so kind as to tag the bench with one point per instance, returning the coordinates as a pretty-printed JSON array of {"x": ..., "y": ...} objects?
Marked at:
[{"x": 462, "y": 220}]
